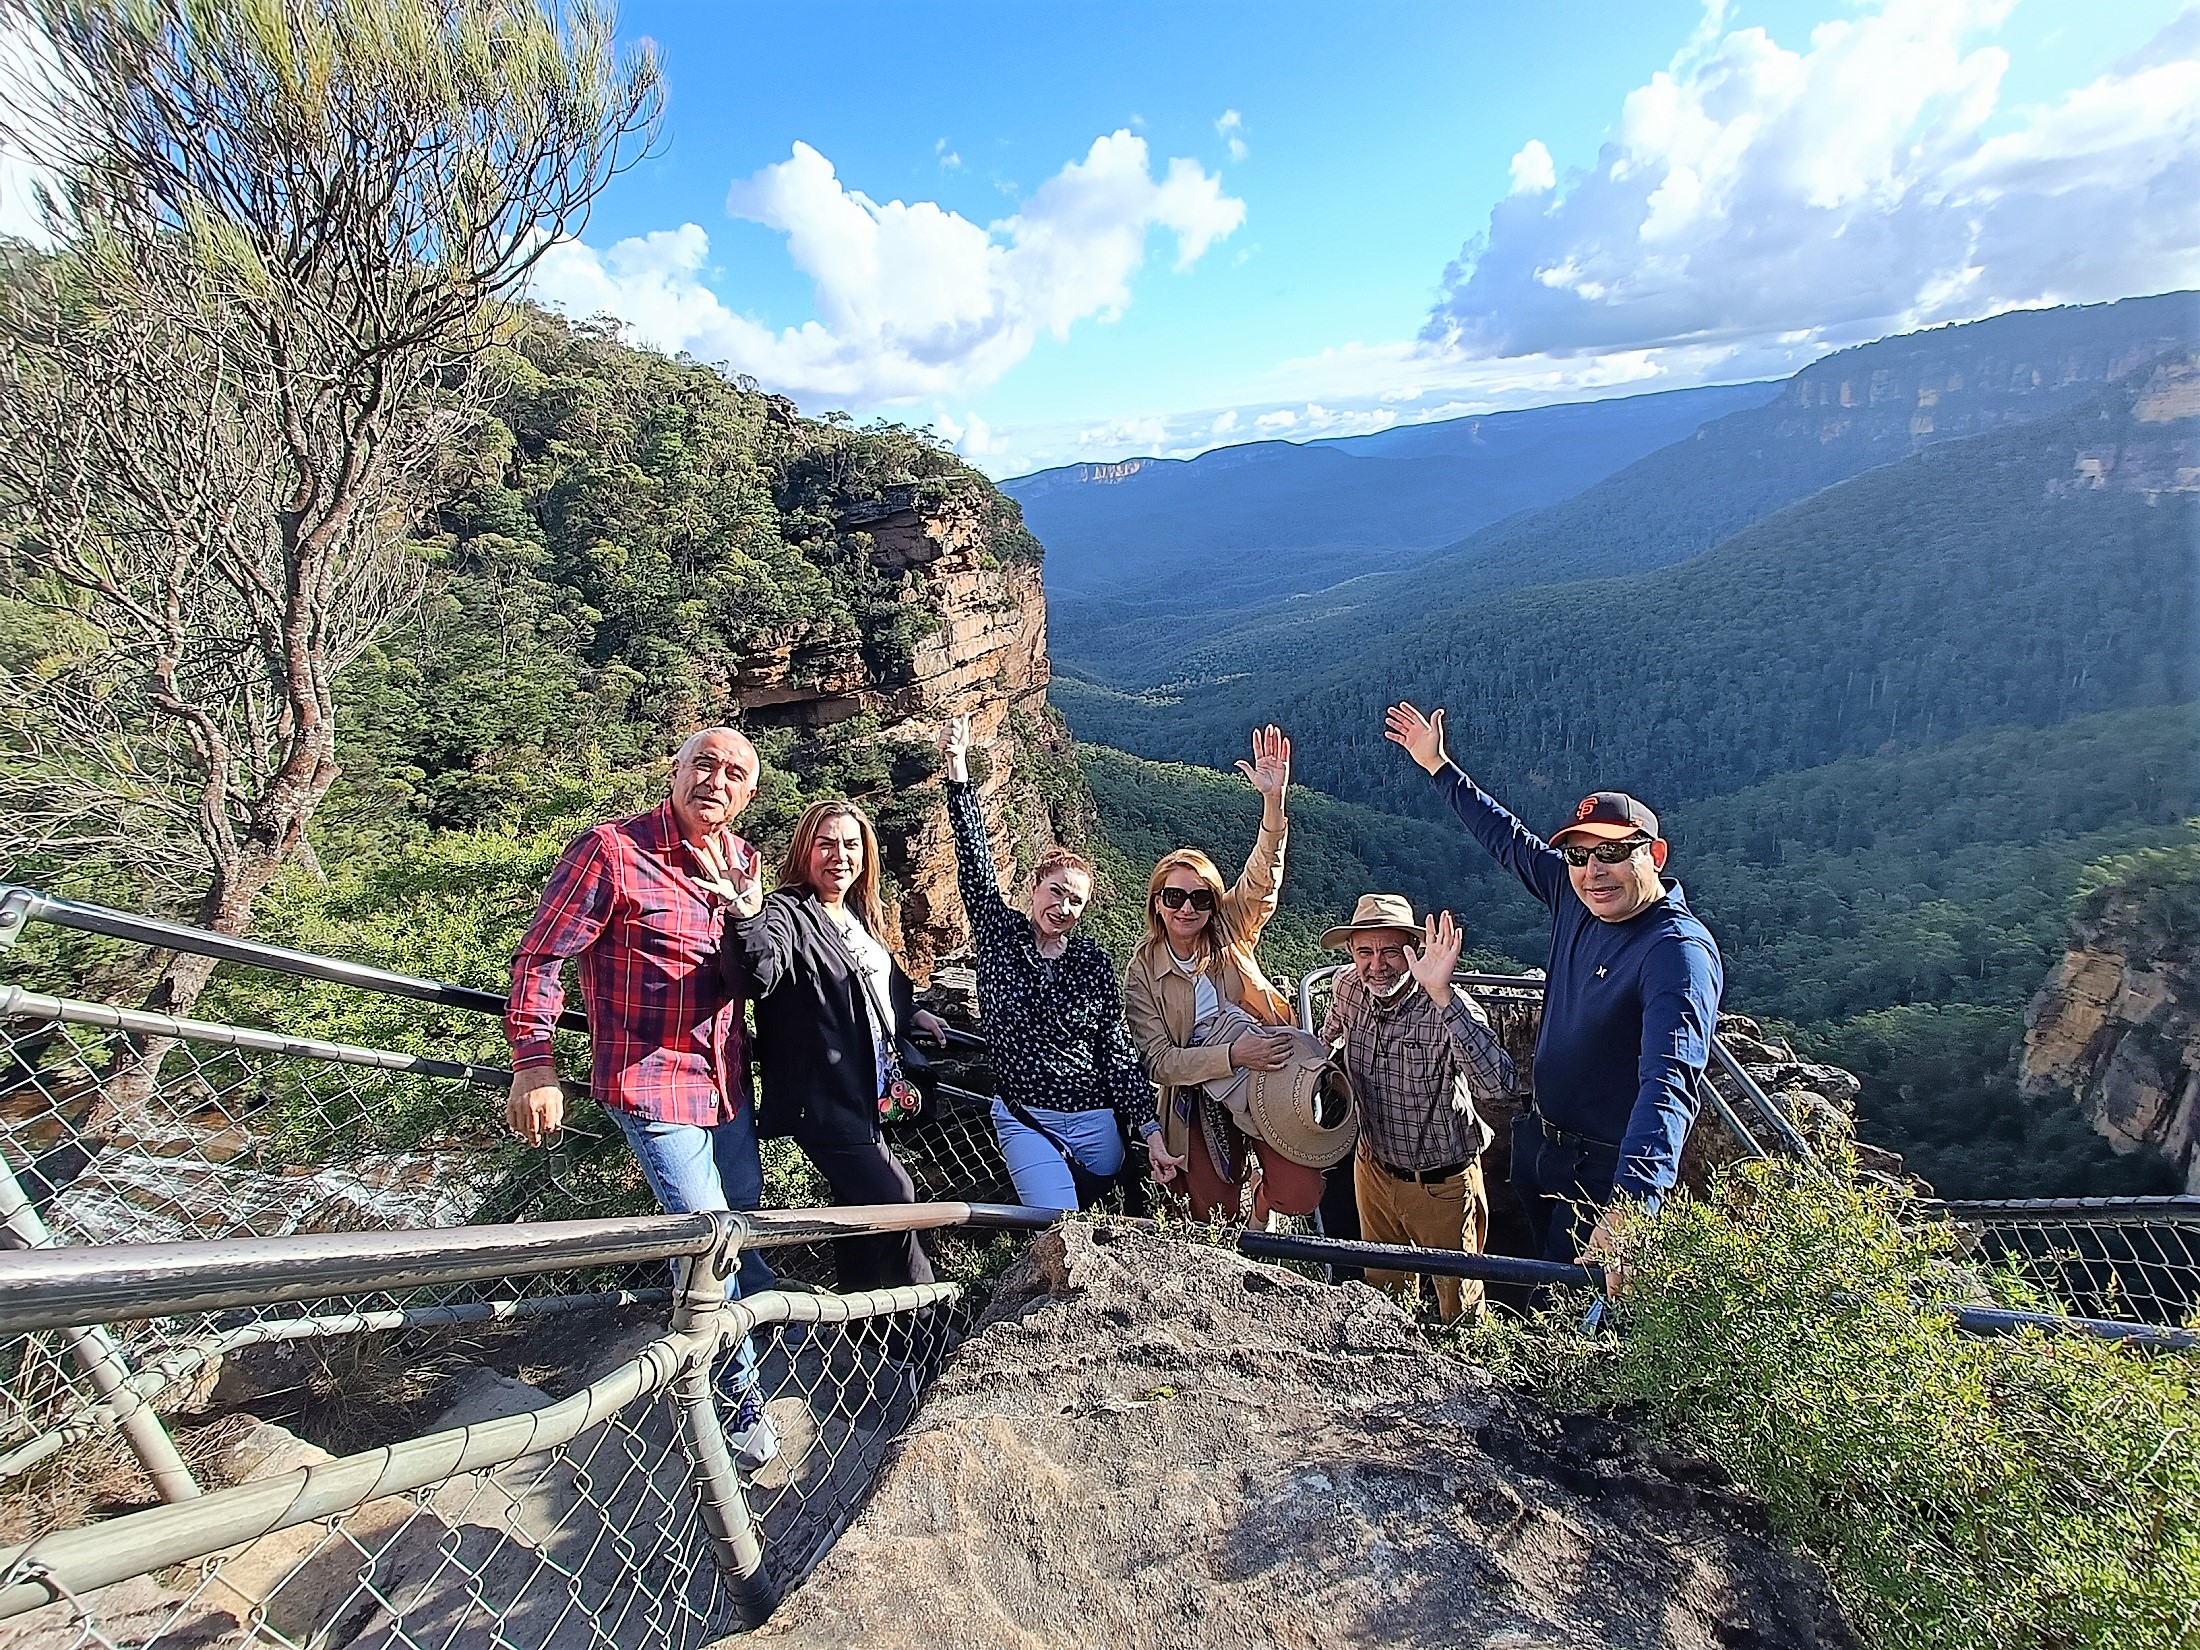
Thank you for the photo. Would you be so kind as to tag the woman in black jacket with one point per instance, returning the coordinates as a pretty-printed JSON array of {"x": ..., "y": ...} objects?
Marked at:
[{"x": 830, "y": 1000}]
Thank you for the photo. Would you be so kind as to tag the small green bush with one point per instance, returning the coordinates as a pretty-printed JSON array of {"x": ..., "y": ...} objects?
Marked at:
[{"x": 1962, "y": 1492}]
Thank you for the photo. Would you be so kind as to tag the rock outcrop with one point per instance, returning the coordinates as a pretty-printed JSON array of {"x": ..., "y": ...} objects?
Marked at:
[
  {"x": 1157, "y": 1444},
  {"x": 969, "y": 636},
  {"x": 2118, "y": 1022}
]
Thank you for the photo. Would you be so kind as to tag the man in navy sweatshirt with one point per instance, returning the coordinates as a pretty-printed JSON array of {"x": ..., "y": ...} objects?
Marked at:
[{"x": 1628, "y": 1012}]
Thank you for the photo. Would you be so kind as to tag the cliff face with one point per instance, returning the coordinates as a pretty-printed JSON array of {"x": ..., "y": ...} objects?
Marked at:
[
  {"x": 964, "y": 632},
  {"x": 1946, "y": 382},
  {"x": 2118, "y": 1022}
]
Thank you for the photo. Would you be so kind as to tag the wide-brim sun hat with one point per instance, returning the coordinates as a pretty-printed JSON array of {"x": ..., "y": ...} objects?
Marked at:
[
  {"x": 1286, "y": 1106},
  {"x": 1374, "y": 911}
]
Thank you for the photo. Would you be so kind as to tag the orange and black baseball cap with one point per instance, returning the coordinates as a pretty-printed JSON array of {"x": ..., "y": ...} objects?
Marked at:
[{"x": 1607, "y": 816}]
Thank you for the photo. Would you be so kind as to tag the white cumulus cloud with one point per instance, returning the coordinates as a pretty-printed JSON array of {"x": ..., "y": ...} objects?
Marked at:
[
  {"x": 1532, "y": 171},
  {"x": 1869, "y": 183},
  {"x": 912, "y": 300}
]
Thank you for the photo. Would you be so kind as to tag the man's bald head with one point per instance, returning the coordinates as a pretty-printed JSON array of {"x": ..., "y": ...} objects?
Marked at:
[{"x": 713, "y": 778}]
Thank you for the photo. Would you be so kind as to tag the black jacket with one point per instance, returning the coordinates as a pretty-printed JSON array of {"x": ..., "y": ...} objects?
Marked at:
[{"x": 818, "y": 1064}]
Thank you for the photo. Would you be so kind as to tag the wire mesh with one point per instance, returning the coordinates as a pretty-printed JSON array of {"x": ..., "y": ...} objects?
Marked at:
[
  {"x": 951, "y": 1151},
  {"x": 2135, "y": 1261},
  {"x": 596, "y": 1542},
  {"x": 838, "y": 1395}
]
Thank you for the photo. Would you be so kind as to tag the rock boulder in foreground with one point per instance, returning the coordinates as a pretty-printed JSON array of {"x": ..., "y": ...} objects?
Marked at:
[{"x": 1154, "y": 1443}]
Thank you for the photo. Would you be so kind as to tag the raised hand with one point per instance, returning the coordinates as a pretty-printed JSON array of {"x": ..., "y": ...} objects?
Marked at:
[
  {"x": 1270, "y": 770},
  {"x": 730, "y": 871},
  {"x": 1433, "y": 963},
  {"x": 1422, "y": 736},
  {"x": 955, "y": 747}
]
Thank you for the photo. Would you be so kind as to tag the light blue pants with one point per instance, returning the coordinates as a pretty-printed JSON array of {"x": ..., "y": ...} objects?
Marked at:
[
  {"x": 694, "y": 1170},
  {"x": 1043, "y": 1180}
]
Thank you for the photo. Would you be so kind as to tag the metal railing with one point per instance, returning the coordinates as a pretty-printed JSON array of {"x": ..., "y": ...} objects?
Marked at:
[
  {"x": 2129, "y": 1259},
  {"x": 606, "y": 1514},
  {"x": 614, "y": 1515},
  {"x": 232, "y": 1133},
  {"x": 1502, "y": 994}
]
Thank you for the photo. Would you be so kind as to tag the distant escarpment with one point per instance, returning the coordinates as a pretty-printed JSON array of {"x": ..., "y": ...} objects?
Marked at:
[{"x": 2118, "y": 1022}]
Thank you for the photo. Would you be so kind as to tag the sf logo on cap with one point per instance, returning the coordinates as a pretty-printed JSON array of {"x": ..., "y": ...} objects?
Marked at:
[{"x": 1588, "y": 807}]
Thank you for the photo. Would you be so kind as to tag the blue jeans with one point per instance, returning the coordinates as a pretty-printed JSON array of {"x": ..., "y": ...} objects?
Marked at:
[
  {"x": 1043, "y": 1180},
  {"x": 695, "y": 1170}
]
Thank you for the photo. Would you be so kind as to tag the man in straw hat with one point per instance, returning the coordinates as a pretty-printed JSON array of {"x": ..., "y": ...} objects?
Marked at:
[
  {"x": 1419, "y": 1053},
  {"x": 1629, "y": 1012}
]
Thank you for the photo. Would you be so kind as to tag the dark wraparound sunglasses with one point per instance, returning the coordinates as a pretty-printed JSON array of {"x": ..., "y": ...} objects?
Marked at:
[
  {"x": 1175, "y": 899},
  {"x": 1610, "y": 853}
]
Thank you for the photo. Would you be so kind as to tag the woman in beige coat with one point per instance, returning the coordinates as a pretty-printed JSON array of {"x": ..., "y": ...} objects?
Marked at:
[{"x": 1199, "y": 1007}]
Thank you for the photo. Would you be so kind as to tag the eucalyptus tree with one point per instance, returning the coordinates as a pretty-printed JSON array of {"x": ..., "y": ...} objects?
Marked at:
[{"x": 257, "y": 352}]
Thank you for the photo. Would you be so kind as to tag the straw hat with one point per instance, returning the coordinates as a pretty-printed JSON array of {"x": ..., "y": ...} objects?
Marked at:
[
  {"x": 1286, "y": 1105},
  {"x": 1373, "y": 911}
]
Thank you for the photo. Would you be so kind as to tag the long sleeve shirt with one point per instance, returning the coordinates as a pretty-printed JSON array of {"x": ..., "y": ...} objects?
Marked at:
[
  {"x": 1417, "y": 1071},
  {"x": 1629, "y": 1009},
  {"x": 1054, "y": 1024},
  {"x": 664, "y": 1026}
]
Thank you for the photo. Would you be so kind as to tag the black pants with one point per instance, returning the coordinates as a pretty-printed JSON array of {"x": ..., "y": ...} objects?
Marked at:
[
  {"x": 1340, "y": 1212},
  {"x": 864, "y": 1171},
  {"x": 1564, "y": 1185}
]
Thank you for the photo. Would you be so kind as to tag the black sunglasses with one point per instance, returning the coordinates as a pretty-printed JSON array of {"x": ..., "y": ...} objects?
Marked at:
[
  {"x": 1610, "y": 853},
  {"x": 1197, "y": 898}
]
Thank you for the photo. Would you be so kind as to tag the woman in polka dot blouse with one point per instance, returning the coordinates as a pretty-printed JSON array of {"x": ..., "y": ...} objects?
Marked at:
[{"x": 1070, "y": 1082}]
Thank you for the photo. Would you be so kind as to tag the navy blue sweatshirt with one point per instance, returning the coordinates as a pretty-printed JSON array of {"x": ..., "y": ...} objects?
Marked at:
[{"x": 1629, "y": 1010}]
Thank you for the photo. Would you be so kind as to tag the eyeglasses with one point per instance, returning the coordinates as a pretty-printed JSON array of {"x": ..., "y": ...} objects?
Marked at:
[
  {"x": 1606, "y": 853},
  {"x": 1199, "y": 899}
]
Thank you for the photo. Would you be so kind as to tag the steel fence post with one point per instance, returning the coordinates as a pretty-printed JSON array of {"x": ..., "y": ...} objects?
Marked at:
[
  {"x": 99, "y": 1355},
  {"x": 699, "y": 1305}
]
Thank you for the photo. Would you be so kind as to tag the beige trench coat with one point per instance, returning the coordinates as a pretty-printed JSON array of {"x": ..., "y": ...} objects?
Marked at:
[{"x": 1158, "y": 998}]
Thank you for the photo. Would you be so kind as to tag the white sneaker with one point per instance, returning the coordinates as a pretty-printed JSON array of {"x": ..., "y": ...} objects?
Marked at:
[{"x": 752, "y": 1437}]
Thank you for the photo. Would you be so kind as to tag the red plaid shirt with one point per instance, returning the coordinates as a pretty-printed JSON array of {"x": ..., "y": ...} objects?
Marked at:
[{"x": 664, "y": 1027}]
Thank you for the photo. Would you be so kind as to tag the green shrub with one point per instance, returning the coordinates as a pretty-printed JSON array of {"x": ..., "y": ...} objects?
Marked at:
[{"x": 1962, "y": 1492}]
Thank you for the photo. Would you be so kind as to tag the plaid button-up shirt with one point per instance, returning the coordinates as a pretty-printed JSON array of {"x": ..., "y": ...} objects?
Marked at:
[
  {"x": 664, "y": 1028},
  {"x": 1416, "y": 1070}
]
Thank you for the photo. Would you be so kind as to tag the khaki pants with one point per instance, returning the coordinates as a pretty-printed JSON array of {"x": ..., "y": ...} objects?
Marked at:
[{"x": 1450, "y": 1214}]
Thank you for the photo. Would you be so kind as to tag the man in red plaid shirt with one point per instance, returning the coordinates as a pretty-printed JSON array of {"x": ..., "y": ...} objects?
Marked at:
[{"x": 669, "y": 1062}]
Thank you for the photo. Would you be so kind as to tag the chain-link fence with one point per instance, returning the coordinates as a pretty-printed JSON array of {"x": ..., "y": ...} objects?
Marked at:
[
  {"x": 610, "y": 1516},
  {"x": 2134, "y": 1259}
]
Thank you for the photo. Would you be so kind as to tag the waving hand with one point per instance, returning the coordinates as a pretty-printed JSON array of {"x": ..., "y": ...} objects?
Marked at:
[{"x": 1270, "y": 770}]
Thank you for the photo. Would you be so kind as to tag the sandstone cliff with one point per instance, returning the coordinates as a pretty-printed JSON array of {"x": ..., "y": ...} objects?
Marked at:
[
  {"x": 2118, "y": 1022},
  {"x": 963, "y": 630}
]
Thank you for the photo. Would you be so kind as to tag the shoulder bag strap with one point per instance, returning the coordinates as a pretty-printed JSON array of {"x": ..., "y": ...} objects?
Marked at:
[{"x": 882, "y": 1019}]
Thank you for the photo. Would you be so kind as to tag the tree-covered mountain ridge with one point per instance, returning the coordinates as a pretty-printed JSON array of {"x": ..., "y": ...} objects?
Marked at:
[
  {"x": 1838, "y": 417},
  {"x": 2014, "y": 578}
]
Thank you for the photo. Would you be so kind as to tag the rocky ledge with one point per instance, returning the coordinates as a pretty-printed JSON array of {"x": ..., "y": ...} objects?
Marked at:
[{"x": 1155, "y": 1443}]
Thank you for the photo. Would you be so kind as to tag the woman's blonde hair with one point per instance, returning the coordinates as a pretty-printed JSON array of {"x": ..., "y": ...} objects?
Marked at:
[
  {"x": 1217, "y": 935},
  {"x": 862, "y": 895}
]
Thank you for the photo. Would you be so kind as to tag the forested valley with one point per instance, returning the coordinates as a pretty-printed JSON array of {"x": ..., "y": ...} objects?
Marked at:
[{"x": 1902, "y": 678}]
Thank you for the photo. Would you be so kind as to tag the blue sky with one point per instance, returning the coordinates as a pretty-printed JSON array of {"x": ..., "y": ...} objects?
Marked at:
[{"x": 1058, "y": 234}]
